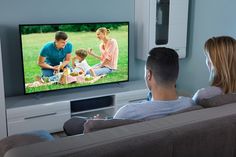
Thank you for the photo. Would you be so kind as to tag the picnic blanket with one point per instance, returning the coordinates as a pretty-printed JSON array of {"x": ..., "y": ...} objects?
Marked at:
[{"x": 68, "y": 79}]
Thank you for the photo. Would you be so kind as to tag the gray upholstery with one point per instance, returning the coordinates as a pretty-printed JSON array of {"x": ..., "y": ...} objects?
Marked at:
[
  {"x": 217, "y": 100},
  {"x": 94, "y": 125},
  {"x": 23, "y": 139},
  {"x": 74, "y": 126},
  {"x": 207, "y": 132},
  {"x": 77, "y": 125}
]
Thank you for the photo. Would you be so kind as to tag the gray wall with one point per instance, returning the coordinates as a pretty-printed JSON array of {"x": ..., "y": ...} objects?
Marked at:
[
  {"x": 53, "y": 11},
  {"x": 207, "y": 18},
  {"x": 3, "y": 130}
]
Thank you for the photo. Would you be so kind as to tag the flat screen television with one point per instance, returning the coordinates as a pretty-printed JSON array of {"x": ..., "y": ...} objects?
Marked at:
[{"x": 71, "y": 55}]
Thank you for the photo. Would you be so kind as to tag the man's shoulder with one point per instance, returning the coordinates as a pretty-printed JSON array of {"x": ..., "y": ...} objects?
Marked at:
[
  {"x": 131, "y": 110},
  {"x": 186, "y": 101},
  {"x": 46, "y": 48},
  {"x": 49, "y": 44},
  {"x": 68, "y": 47},
  {"x": 138, "y": 104},
  {"x": 68, "y": 44},
  {"x": 183, "y": 98}
]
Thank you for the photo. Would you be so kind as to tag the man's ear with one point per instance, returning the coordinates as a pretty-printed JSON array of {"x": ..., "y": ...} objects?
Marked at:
[{"x": 149, "y": 74}]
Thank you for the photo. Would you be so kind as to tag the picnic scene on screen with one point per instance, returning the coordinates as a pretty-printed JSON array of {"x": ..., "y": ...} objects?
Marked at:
[{"x": 62, "y": 56}]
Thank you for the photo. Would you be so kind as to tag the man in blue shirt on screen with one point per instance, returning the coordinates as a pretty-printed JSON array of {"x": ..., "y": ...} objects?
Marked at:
[
  {"x": 55, "y": 53},
  {"x": 161, "y": 73}
]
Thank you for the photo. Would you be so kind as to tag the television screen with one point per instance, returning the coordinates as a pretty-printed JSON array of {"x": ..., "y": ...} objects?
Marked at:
[{"x": 62, "y": 56}]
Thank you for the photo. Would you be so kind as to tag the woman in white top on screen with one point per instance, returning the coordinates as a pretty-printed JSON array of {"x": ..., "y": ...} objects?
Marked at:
[{"x": 220, "y": 55}]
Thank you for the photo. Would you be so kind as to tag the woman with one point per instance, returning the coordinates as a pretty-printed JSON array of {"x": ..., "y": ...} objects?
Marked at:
[
  {"x": 220, "y": 55},
  {"x": 109, "y": 53}
]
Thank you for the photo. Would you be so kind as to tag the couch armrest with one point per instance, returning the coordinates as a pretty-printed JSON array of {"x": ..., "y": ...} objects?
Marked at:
[{"x": 23, "y": 139}]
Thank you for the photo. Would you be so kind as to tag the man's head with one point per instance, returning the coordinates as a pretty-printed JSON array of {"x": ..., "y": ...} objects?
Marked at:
[
  {"x": 162, "y": 67},
  {"x": 60, "y": 39}
]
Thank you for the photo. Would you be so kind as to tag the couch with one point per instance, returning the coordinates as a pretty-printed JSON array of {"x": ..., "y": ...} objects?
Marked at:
[{"x": 208, "y": 132}]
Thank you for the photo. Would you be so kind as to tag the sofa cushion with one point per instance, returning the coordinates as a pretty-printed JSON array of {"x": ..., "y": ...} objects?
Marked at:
[
  {"x": 23, "y": 139},
  {"x": 74, "y": 126},
  {"x": 98, "y": 124},
  {"x": 218, "y": 100}
]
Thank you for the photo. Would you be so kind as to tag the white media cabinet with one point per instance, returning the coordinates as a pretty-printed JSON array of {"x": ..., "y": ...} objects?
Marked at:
[{"x": 49, "y": 112}]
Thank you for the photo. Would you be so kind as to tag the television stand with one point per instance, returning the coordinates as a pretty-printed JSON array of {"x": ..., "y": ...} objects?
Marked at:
[{"x": 29, "y": 113}]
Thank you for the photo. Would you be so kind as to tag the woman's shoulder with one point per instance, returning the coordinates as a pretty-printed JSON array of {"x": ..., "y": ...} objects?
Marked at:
[
  {"x": 207, "y": 92},
  {"x": 113, "y": 41}
]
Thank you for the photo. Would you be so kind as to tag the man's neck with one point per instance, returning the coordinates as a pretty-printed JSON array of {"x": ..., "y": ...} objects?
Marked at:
[
  {"x": 164, "y": 94},
  {"x": 55, "y": 45}
]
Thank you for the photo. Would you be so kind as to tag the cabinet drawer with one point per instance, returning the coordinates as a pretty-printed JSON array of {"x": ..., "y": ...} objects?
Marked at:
[
  {"x": 49, "y": 116},
  {"x": 51, "y": 122},
  {"x": 38, "y": 109}
]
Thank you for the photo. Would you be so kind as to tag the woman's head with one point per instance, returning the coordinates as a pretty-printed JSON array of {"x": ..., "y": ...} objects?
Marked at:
[
  {"x": 221, "y": 61},
  {"x": 102, "y": 33}
]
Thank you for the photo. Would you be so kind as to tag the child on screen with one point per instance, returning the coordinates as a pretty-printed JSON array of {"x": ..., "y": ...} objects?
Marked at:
[{"x": 80, "y": 65}]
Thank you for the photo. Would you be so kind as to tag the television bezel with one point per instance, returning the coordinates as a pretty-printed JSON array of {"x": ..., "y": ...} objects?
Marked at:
[{"x": 79, "y": 87}]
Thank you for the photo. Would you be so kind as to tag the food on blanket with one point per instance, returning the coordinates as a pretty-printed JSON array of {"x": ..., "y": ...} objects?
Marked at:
[
  {"x": 66, "y": 71},
  {"x": 74, "y": 74},
  {"x": 88, "y": 78},
  {"x": 81, "y": 73},
  {"x": 46, "y": 79},
  {"x": 62, "y": 80}
]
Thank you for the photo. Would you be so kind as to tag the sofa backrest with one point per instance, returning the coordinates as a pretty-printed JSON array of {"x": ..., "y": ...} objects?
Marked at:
[
  {"x": 206, "y": 132},
  {"x": 94, "y": 125}
]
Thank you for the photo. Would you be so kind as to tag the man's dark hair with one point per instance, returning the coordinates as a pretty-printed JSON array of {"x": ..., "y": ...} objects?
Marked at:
[
  {"x": 60, "y": 35},
  {"x": 164, "y": 64}
]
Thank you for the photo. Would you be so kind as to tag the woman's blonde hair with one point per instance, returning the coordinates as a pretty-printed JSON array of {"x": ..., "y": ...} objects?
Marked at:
[
  {"x": 222, "y": 53},
  {"x": 103, "y": 30}
]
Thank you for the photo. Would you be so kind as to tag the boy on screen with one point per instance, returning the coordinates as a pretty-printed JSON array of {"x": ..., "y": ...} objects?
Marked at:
[{"x": 80, "y": 64}]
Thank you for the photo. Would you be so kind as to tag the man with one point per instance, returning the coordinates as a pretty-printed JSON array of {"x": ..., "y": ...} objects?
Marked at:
[
  {"x": 54, "y": 53},
  {"x": 161, "y": 73}
]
